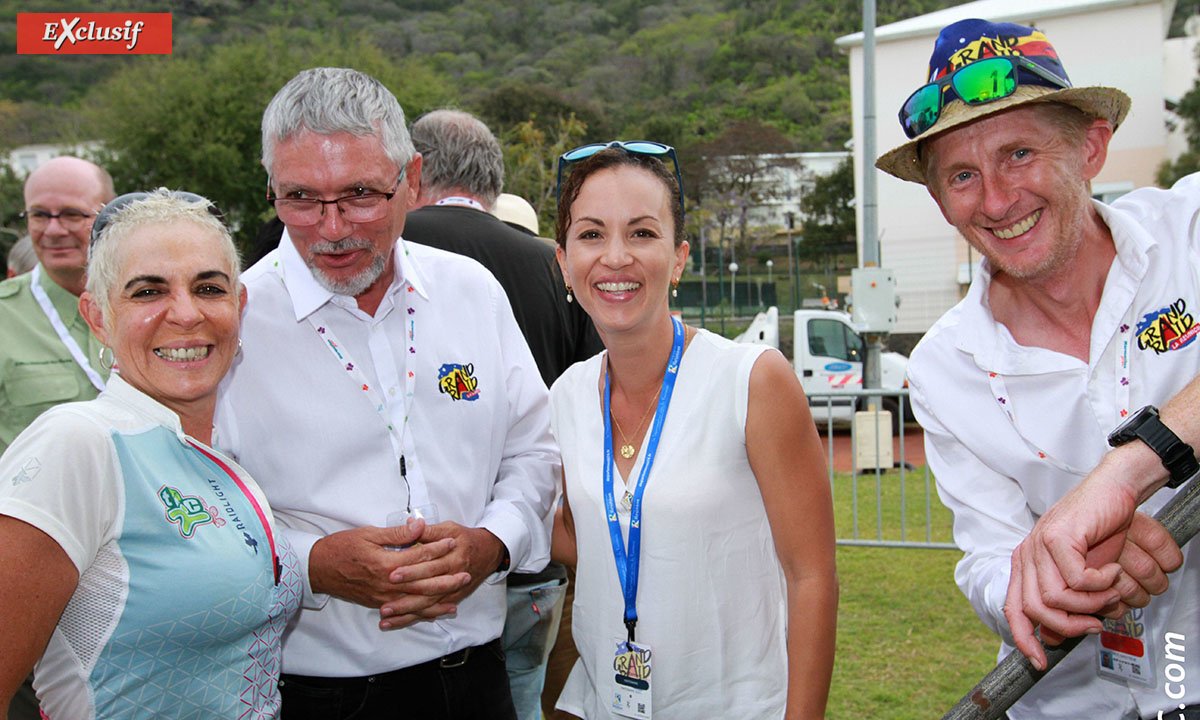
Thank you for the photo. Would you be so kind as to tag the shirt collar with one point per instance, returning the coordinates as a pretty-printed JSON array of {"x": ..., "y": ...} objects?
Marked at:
[
  {"x": 308, "y": 295},
  {"x": 126, "y": 394},
  {"x": 64, "y": 301}
]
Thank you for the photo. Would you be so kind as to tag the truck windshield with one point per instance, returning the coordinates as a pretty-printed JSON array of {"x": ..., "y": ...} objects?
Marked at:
[{"x": 830, "y": 338}]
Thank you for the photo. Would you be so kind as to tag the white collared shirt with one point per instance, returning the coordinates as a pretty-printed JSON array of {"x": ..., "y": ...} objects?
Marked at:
[
  {"x": 291, "y": 414},
  {"x": 998, "y": 473}
]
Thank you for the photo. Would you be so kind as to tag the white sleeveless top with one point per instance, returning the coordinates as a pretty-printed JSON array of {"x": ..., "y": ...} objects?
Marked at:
[{"x": 711, "y": 598}]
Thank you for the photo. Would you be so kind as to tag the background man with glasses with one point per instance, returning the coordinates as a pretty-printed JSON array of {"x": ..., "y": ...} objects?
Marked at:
[
  {"x": 462, "y": 174},
  {"x": 47, "y": 354},
  {"x": 381, "y": 380},
  {"x": 39, "y": 313},
  {"x": 1083, "y": 315}
]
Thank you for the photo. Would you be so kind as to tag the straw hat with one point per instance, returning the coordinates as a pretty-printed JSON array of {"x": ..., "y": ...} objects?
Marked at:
[{"x": 968, "y": 41}]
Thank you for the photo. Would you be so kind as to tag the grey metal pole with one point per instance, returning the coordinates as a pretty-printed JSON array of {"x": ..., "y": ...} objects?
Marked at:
[
  {"x": 1015, "y": 675},
  {"x": 872, "y": 371},
  {"x": 870, "y": 209}
]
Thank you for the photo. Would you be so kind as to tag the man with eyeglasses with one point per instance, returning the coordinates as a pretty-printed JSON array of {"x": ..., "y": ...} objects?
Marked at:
[
  {"x": 393, "y": 415},
  {"x": 1082, "y": 319},
  {"x": 47, "y": 354}
]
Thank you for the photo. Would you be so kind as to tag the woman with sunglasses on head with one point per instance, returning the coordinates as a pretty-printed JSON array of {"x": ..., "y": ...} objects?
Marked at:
[
  {"x": 697, "y": 507},
  {"x": 141, "y": 569}
]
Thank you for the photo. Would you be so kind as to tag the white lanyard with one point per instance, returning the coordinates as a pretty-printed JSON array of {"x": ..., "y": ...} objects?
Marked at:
[
  {"x": 64, "y": 336},
  {"x": 343, "y": 357},
  {"x": 1121, "y": 397},
  {"x": 460, "y": 200}
]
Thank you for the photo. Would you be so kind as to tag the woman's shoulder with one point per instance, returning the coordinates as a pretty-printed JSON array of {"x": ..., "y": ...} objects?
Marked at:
[{"x": 578, "y": 373}]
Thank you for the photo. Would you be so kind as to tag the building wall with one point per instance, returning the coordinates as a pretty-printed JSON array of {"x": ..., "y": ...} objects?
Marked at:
[{"x": 1115, "y": 44}]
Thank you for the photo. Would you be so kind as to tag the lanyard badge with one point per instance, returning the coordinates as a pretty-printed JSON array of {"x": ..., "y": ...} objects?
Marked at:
[{"x": 632, "y": 661}]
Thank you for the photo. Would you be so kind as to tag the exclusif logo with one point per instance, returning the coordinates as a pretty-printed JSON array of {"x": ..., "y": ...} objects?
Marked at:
[{"x": 94, "y": 33}]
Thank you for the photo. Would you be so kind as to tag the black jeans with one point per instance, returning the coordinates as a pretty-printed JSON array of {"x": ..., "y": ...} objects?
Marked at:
[{"x": 476, "y": 689}]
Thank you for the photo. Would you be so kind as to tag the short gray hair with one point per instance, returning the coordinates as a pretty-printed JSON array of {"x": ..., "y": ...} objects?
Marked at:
[
  {"x": 459, "y": 152},
  {"x": 159, "y": 206},
  {"x": 21, "y": 257},
  {"x": 334, "y": 100}
]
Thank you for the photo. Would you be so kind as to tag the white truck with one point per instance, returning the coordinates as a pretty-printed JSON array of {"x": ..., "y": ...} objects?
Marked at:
[{"x": 827, "y": 354}]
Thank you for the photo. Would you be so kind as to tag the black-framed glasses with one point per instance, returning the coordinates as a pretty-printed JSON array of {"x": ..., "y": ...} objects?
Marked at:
[
  {"x": 363, "y": 207},
  {"x": 105, "y": 217},
  {"x": 637, "y": 147},
  {"x": 980, "y": 82},
  {"x": 70, "y": 218}
]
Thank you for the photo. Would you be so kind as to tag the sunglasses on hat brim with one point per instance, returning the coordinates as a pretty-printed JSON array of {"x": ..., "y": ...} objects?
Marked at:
[
  {"x": 637, "y": 147},
  {"x": 980, "y": 82}
]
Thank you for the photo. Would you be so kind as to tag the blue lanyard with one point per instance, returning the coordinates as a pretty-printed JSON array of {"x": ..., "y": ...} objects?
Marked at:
[{"x": 627, "y": 565}]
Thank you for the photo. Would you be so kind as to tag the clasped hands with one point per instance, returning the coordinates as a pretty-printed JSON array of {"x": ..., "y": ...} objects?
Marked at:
[
  {"x": 1090, "y": 554},
  {"x": 420, "y": 582}
]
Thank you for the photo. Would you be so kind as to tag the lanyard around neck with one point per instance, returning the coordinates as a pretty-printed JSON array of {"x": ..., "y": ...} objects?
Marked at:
[
  {"x": 341, "y": 354},
  {"x": 627, "y": 563},
  {"x": 461, "y": 200},
  {"x": 1004, "y": 399},
  {"x": 60, "y": 328}
]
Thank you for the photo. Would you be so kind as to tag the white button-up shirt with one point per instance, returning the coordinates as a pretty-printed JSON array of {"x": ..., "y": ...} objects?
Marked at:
[
  {"x": 298, "y": 420},
  {"x": 1009, "y": 429}
]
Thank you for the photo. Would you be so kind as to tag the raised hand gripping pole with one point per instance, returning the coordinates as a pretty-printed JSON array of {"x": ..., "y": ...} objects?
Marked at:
[{"x": 1015, "y": 675}]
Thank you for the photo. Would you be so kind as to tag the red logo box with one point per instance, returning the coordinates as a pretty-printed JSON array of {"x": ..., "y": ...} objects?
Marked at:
[{"x": 94, "y": 33}]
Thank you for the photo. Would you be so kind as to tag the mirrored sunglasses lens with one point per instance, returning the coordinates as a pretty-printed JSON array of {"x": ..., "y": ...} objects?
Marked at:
[
  {"x": 921, "y": 110},
  {"x": 582, "y": 152},
  {"x": 985, "y": 81},
  {"x": 646, "y": 147}
]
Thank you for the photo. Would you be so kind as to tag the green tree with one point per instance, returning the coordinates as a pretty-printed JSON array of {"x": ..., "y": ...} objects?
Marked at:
[
  {"x": 1188, "y": 110},
  {"x": 829, "y": 224},
  {"x": 193, "y": 123}
]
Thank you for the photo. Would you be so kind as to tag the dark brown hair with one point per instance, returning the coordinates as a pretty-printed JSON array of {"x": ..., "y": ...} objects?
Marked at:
[{"x": 611, "y": 158}]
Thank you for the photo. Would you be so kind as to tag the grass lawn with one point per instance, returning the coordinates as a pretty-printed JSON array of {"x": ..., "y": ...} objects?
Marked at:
[{"x": 908, "y": 644}]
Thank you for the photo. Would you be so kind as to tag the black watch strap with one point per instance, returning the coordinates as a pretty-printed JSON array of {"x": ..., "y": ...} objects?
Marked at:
[{"x": 1176, "y": 455}]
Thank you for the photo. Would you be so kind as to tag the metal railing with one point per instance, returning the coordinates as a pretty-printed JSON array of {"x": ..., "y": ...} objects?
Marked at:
[{"x": 837, "y": 408}]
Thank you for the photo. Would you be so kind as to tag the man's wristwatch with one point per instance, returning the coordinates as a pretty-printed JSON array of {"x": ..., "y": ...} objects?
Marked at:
[{"x": 1176, "y": 455}]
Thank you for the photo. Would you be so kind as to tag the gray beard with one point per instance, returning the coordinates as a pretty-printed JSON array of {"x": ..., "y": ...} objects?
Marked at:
[{"x": 352, "y": 286}]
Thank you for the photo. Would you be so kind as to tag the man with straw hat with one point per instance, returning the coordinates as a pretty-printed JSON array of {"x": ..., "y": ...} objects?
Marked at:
[{"x": 1081, "y": 321}]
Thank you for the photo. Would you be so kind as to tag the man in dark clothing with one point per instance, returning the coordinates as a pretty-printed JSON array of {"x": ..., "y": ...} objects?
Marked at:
[{"x": 461, "y": 177}]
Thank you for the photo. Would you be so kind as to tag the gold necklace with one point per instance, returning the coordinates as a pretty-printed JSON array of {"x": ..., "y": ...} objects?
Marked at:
[{"x": 627, "y": 450}]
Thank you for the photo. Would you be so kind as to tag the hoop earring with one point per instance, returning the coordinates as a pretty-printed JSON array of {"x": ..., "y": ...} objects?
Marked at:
[
  {"x": 570, "y": 297},
  {"x": 675, "y": 288},
  {"x": 112, "y": 360}
]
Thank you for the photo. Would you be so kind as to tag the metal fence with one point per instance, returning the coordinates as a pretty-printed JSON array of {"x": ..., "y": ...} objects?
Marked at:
[{"x": 832, "y": 409}]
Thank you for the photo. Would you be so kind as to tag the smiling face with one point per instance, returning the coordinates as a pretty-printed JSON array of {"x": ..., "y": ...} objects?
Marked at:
[
  {"x": 173, "y": 316},
  {"x": 1016, "y": 187},
  {"x": 620, "y": 255},
  {"x": 64, "y": 185},
  {"x": 347, "y": 258}
]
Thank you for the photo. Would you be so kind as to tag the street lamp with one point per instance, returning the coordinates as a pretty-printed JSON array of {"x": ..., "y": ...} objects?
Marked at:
[
  {"x": 770, "y": 278},
  {"x": 733, "y": 268}
]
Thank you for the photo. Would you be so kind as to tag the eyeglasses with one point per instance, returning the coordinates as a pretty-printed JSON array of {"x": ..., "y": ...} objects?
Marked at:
[
  {"x": 70, "y": 218},
  {"x": 363, "y": 207},
  {"x": 980, "y": 82},
  {"x": 637, "y": 147},
  {"x": 105, "y": 217}
]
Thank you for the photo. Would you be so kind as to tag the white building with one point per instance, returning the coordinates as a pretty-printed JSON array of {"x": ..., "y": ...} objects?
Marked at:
[
  {"x": 1117, "y": 43},
  {"x": 778, "y": 183},
  {"x": 27, "y": 158}
]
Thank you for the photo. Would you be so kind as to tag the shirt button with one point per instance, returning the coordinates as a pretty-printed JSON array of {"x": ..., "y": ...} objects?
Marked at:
[{"x": 392, "y": 391}]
